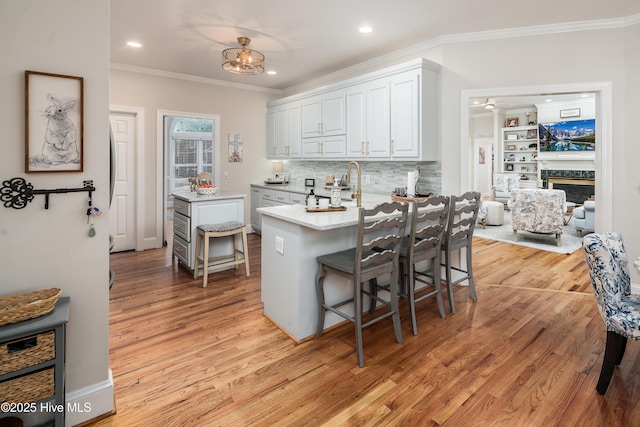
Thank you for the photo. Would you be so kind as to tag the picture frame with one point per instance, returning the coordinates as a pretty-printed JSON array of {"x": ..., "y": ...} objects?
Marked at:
[
  {"x": 511, "y": 147},
  {"x": 524, "y": 169},
  {"x": 532, "y": 134},
  {"x": 54, "y": 122},
  {"x": 512, "y": 122},
  {"x": 571, "y": 112},
  {"x": 509, "y": 167}
]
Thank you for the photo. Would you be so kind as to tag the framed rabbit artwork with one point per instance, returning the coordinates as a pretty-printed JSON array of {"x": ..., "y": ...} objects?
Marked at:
[{"x": 53, "y": 122}]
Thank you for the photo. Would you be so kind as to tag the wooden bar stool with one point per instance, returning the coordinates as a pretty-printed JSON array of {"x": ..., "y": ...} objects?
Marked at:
[{"x": 209, "y": 231}]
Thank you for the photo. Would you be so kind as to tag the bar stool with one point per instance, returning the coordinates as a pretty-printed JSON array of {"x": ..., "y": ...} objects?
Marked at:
[{"x": 209, "y": 231}]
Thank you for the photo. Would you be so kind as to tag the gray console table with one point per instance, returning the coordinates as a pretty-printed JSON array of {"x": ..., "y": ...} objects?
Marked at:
[{"x": 47, "y": 403}]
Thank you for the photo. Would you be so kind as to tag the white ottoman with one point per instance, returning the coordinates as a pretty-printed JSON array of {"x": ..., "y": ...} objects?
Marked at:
[{"x": 495, "y": 213}]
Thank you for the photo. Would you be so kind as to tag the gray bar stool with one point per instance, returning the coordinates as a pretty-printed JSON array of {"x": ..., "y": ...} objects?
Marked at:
[{"x": 210, "y": 231}]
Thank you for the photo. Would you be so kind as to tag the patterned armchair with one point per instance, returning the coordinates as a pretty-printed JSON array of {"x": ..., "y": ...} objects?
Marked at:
[
  {"x": 619, "y": 308},
  {"x": 503, "y": 183},
  {"x": 538, "y": 211}
]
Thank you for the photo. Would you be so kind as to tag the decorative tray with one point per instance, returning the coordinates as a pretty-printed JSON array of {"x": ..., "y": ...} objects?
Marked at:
[
  {"x": 418, "y": 198},
  {"x": 271, "y": 181},
  {"x": 329, "y": 209}
]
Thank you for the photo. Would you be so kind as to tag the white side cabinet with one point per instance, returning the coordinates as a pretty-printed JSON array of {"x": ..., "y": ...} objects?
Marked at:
[{"x": 189, "y": 212}]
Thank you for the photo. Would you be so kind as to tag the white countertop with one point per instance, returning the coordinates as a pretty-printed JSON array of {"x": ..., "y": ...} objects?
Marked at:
[
  {"x": 297, "y": 214},
  {"x": 192, "y": 196}
]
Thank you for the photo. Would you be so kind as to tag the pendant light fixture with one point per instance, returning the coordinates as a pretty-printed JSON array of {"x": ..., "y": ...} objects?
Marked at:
[{"x": 240, "y": 60}]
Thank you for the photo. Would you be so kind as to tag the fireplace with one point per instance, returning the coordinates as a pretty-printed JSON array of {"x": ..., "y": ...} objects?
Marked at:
[{"x": 578, "y": 185}]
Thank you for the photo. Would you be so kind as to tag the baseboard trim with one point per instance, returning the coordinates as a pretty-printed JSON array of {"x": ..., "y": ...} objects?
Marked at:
[{"x": 90, "y": 402}]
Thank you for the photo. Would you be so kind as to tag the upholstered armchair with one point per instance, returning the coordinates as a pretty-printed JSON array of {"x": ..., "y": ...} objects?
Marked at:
[
  {"x": 538, "y": 211},
  {"x": 503, "y": 183},
  {"x": 619, "y": 308},
  {"x": 584, "y": 217}
]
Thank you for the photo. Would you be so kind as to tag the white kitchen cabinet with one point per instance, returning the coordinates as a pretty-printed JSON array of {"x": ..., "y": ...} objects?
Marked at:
[
  {"x": 390, "y": 114},
  {"x": 256, "y": 202},
  {"x": 284, "y": 139},
  {"x": 368, "y": 120},
  {"x": 331, "y": 147},
  {"x": 324, "y": 115}
]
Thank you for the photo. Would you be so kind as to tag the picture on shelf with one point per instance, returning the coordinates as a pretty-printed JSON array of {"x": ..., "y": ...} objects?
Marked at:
[
  {"x": 575, "y": 135},
  {"x": 512, "y": 122},
  {"x": 511, "y": 147},
  {"x": 531, "y": 134},
  {"x": 509, "y": 167},
  {"x": 524, "y": 169}
]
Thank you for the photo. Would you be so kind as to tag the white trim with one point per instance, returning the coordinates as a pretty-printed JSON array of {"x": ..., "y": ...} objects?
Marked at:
[
  {"x": 138, "y": 112},
  {"x": 188, "y": 77},
  {"x": 160, "y": 164},
  {"x": 418, "y": 48},
  {"x": 604, "y": 133},
  {"x": 89, "y": 402}
]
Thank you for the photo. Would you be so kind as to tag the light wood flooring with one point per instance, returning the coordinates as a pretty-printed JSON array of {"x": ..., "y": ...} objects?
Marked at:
[{"x": 528, "y": 353}]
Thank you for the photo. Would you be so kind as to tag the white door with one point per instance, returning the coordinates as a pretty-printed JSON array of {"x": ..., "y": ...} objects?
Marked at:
[{"x": 122, "y": 212}]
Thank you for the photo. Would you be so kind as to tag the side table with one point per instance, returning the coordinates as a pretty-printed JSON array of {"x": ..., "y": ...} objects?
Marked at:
[{"x": 33, "y": 388}]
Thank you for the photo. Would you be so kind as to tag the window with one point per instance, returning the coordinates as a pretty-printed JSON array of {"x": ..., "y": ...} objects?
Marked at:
[{"x": 190, "y": 151}]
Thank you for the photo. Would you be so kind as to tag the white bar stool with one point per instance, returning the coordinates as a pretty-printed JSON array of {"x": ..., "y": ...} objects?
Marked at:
[{"x": 209, "y": 231}]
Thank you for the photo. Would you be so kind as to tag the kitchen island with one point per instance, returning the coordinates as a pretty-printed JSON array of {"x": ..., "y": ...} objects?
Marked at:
[
  {"x": 191, "y": 210},
  {"x": 292, "y": 238}
]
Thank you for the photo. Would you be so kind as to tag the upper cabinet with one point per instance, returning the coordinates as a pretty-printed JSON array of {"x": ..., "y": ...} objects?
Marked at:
[
  {"x": 283, "y": 131},
  {"x": 390, "y": 114},
  {"x": 368, "y": 126},
  {"x": 324, "y": 115}
]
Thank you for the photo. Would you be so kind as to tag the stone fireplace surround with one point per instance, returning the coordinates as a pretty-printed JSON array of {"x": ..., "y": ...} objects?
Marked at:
[{"x": 578, "y": 184}]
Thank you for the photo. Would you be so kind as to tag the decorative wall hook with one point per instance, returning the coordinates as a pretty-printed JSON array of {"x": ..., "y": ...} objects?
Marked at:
[{"x": 17, "y": 193}]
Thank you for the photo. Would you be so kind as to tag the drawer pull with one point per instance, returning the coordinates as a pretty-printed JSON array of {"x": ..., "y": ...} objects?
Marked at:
[{"x": 25, "y": 344}]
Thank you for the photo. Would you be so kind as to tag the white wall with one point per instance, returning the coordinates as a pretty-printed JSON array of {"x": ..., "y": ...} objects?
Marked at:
[
  {"x": 51, "y": 248},
  {"x": 241, "y": 111}
]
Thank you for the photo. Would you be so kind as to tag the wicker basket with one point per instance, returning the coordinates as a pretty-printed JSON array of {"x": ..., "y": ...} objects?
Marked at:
[
  {"x": 29, "y": 388},
  {"x": 25, "y": 352},
  {"x": 16, "y": 308},
  {"x": 206, "y": 191}
]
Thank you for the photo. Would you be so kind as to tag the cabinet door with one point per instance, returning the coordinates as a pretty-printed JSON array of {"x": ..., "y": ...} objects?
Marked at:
[
  {"x": 333, "y": 114},
  {"x": 294, "y": 149},
  {"x": 311, "y": 117},
  {"x": 256, "y": 202},
  {"x": 333, "y": 147},
  {"x": 378, "y": 120},
  {"x": 405, "y": 115},
  {"x": 282, "y": 134},
  {"x": 356, "y": 121},
  {"x": 272, "y": 129}
]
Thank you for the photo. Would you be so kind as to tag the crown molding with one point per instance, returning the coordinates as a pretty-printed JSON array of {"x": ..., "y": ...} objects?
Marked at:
[
  {"x": 417, "y": 48},
  {"x": 188, "y": 77}
]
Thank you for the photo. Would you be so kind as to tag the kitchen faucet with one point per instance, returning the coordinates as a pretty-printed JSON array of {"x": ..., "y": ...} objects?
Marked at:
[{"x": 358, "y": 194}]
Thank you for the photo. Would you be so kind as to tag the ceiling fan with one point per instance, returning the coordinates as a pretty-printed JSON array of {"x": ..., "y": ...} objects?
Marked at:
[{"x": 489, "y": 103}]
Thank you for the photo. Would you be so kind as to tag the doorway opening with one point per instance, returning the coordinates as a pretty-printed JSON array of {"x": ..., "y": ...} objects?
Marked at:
[
  {"x": 603, "y": 116},
  {"x": 189, "y": 146}
]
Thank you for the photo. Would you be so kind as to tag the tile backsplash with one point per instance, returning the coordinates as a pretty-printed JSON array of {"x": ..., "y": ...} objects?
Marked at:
[{"x": 384, "y": 177}]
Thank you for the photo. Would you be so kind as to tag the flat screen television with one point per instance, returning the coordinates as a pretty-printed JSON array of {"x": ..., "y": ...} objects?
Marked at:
[{"x": 572, "y": 135}]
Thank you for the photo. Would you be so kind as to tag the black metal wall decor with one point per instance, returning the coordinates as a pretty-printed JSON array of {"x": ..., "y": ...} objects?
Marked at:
[{"x": 17, "y": 193}]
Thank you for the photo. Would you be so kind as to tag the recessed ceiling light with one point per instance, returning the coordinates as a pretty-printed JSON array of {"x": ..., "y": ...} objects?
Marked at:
[
  {"x": 271, "y": 72},
  {"x": 365, "y": 29},
  {"x": 134, "y": 44},
  {"x": 548, "y": 100}
]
